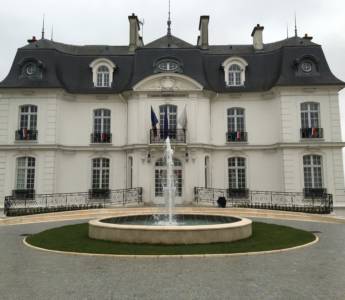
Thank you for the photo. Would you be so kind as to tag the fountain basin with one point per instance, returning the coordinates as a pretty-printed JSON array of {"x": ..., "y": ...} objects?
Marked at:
[{"x": 227, "y": 229}]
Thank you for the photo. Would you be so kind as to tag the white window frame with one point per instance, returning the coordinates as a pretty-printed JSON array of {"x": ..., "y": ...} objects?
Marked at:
[
  {"x": 104, "y": 173},
  {"x": 236, "y": 113},
  {"x": 227, "y": 65},
  {"x": 102, "y": 118},
  {"x": 96, "y": 64},
  {"x": 237, "y": 168},
  {"x": 31, "y": 117},
  {"x": 313, "y": 169},
  {"x": 28, "y": 170},
  {"x": 309, "y": 112},
  {"x": 160, "y": 173}
]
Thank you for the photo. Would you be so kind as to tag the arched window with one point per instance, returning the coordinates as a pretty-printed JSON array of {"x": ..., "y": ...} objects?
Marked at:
[
  {"x": 235, "y": 75},
  {"x": 310, "y": 120},
  {"x": 25, "y": 173},
  {"x": 100, "y": 173},
  {"x": 103, "y": 76},
  {"x": 237, "y": 172},
  {"x": 312, "y": 169},
  {"x": 236, "y": 125},
  {"x": 234, "y": 71},
  {"x": 27, "y": 123},
  {"x": 101, "y": 126},
  {"x": 168, "y": 121},
  {"x": 161, "y": 177}
]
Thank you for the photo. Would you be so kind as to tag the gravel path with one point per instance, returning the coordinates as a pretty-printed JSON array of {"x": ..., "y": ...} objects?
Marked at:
[{"x": 316, "y": 272}]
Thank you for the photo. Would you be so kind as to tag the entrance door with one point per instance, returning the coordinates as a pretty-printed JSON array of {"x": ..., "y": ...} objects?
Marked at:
[{"x": 161, "y": 179}]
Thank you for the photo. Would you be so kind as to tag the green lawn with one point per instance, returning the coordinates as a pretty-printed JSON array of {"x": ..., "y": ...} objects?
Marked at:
[{"x": 75, "y": 238}]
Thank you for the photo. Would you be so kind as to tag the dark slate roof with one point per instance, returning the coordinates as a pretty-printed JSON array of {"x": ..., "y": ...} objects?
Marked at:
[{"x": 67, "y": 66}]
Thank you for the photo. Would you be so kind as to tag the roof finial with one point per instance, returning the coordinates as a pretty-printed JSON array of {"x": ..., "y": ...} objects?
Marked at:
[
  {"x": 42, "y": 37},
  {"x": 295, "y": 25},
  {"x": 169, "y": 21}
]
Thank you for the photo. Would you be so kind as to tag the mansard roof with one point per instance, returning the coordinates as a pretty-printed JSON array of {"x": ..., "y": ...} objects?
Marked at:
[{"x": 68, "y": 66}]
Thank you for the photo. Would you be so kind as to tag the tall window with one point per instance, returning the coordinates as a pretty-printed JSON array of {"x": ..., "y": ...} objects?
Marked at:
[
  {"x": 312, "y": 166},
  {"x": 171, "y": 111},
  {"x": 236, "y": 120},
  {"x": 161, "y": 177},
  {"x": 25, "y": 177},
  {"x": 103, "y": 76},
  {"x": 310, "y": 115},
  {"x": 235, "y": 75},
  {"x": 207, "y": 171},
  {"x": 130, "y": 172},
  {"x": 237, "y": 172},
  {"x": 101, "y": 126},
  {"x": 27, "y": 123},
  {"x": 100, "y": 173}
]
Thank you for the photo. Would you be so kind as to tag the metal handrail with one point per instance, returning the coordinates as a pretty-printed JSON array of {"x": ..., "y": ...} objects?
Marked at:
[{"x": 158, "y": 136}]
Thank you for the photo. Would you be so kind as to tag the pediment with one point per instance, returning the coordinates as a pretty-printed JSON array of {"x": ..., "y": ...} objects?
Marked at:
[{"x": 169, "y": 83}]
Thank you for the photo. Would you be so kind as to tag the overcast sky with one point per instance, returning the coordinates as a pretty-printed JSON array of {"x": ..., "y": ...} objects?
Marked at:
[{"x": 231, "y": 22}]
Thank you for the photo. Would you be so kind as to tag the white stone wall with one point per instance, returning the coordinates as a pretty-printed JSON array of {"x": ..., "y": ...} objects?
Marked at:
[{"x": 273, "y": 153}]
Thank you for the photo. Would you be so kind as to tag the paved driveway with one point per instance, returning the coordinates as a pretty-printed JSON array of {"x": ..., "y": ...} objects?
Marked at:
[{"x": 316, "y": 272}]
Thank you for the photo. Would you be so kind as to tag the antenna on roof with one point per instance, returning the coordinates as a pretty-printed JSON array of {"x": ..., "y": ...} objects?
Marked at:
[
  {"x": 169, "y": 21},
  {"x": 42, "y": 37},
  {"x": 52, "y": 33},
  {"x": 295, "y": 25}
]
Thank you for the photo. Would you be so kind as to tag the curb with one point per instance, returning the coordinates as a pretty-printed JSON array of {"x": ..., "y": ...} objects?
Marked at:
[{"x": 175, "y": 256}]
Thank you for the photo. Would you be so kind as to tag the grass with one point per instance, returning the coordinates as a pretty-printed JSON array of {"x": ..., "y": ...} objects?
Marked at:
[{"x": 74, "y": 238}]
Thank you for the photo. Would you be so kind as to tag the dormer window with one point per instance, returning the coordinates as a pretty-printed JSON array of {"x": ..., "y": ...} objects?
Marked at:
[
  {"x": 235, "y": 71},
  {"x": 102, "y": 72},
  {"x": 306, "y": 65},
  {"x": 31, "y": 68},
  {"x": 103, "y": 76}
]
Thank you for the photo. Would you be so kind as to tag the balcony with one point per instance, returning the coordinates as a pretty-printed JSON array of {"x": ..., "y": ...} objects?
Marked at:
[
  {"x": 238, "y": 193},
  {"x": 101, "y": 138},
  {"x": 23, "y": 194},
  {"x": 25, "y": 134},
  {"x": 312, "y": 133},
  {"x": 314, "y": 192},
  {"x": 236, "y": 136},
  {"x": 176, "y": 136}
]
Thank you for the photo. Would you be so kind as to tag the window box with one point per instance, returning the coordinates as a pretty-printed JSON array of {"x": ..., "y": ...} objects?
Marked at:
[
  {"x": 238, "y": 193},
  {"x": 25, "y": 134},
  {"x": 25, "y": 194},
  {"x": 311, "y": 133},
  {"x": 236, "y": 136},
  {"x": 101, "y": 138},
  {"x": 99, "y": 194},
  {"x": 314, "y": 192}
]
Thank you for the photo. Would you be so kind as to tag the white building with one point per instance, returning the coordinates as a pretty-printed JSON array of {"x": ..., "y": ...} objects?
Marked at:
[{"x": 262, "y": 117}]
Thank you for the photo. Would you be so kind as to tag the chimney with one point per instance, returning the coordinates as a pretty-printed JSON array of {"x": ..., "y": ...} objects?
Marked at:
[
  {"x": 307, "y": 37},
  {"x": 203, "y": 27},
  {"x": 134, "y": 38},
  {"x": 257, "y": 37},
  {"x": 30, "y": 41}
]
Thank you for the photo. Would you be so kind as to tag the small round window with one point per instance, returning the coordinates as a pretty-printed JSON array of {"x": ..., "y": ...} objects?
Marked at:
[
  {"x": 30, "y": 69},
  {"x": 168, "y": 66},
  {"x": 306, "y": 66}
]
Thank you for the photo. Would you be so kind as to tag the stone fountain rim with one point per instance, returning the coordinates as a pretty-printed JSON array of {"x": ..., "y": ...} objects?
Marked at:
[{"x": 241, "y": 223}]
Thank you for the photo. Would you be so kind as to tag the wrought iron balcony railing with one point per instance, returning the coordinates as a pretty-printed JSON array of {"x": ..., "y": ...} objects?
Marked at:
[
  {"x": 307, "y": 201},
  {"x": 176, "y": 136},
  {"x": 238, "y": 193},
  {"x": 312, "y": 133},
  {"x": 236, "y": 136},
  {"x": 24, "y": 202},
  {"x": 101, "y": 138},
  {"x": 25, "y": 134}
]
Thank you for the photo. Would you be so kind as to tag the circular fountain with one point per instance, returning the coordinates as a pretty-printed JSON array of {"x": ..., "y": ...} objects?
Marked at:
[{"x": 170, "y": 228}]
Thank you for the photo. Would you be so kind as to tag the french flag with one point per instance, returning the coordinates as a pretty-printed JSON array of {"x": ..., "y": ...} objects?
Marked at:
[{"x": 154, "y": 122}]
